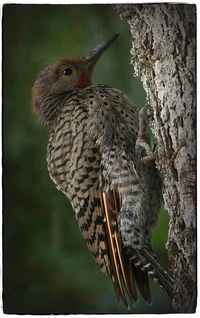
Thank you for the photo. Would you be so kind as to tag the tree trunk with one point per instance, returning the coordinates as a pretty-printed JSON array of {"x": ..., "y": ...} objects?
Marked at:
[{"x": 164, "y": 56}]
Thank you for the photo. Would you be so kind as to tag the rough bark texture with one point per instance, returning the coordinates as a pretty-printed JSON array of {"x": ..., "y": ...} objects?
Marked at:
[{"x": 164, "y": 56}]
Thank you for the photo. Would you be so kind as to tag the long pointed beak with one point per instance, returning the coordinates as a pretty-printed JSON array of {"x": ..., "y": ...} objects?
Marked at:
[{"x": 96, "y": 53}]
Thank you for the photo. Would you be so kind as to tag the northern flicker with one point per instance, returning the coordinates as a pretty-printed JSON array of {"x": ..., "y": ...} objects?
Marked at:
[{"x": 97, "y": 140}]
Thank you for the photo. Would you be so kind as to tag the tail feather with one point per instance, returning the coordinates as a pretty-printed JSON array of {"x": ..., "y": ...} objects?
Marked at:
[
  {"x": 143, "y": 260},
  {"x": 141, "y": 279},
  {"x": 131, "y": 281},
  {"x": 127, "y": 271},
  {"x": 158, "y": 273}
]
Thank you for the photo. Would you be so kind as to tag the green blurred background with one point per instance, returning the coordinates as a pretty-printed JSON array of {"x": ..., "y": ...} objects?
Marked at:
[{"x": 47, "y": 267}]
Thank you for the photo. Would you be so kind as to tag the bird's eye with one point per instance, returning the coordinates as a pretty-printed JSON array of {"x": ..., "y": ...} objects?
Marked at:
[{"x": 67, "y": 71}]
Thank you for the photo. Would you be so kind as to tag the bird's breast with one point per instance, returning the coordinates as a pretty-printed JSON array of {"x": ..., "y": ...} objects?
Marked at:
[{"x": 73, "y": 159}]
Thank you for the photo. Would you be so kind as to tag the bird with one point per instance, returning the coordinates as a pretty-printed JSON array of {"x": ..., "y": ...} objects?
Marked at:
[{"x": 97, "y": 139}]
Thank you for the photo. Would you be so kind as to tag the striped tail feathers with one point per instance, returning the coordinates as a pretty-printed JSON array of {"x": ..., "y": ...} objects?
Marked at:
[
  {"x": 158, "y": 273},
  {"x": 144, "y": 260},
  {"x": 124, "y": 274}
]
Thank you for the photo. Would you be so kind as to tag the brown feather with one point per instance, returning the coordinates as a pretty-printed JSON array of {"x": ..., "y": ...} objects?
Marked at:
[
  {"x": 141, "y": 278},
  {"x": 114, "y": 258}
]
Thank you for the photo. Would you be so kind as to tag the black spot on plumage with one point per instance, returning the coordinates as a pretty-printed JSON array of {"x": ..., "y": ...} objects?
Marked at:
[
  {"x": 89, "y": 169},
  {"x": 85, "y": 190},
  {"x": 83, "y": 208},
  {"x": 94, "y": 150},
  {"x": 85, "y": 176},
  {"x": 91, "y": 159},
  {"x": 84, "y": 227},
  {"x": 80, "y": 181},
  {"x": 97, "y": 202},
  {"x": 94, "y": 179},
  {"x": 101, "y": 237},
  {"x": 73, "y": 196}
]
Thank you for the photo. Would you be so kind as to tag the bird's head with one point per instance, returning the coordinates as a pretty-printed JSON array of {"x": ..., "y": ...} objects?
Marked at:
[{"x": 67, "y": 74}]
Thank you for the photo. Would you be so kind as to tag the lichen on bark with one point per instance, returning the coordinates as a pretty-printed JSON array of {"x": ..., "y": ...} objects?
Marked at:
[{"x": 164, "y": 56}]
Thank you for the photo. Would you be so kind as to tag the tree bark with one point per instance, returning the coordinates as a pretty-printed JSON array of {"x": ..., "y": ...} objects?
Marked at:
[{"x": 164, "y": 56}]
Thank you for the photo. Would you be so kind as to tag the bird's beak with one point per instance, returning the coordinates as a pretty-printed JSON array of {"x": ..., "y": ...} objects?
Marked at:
[{"x": 95, "y": 54}]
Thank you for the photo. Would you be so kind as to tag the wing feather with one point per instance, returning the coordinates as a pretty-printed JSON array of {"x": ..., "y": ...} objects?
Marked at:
[{"x": 114, "y": 257}]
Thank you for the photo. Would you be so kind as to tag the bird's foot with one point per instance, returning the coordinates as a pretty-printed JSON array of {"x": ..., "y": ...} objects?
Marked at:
[{"x": 142, "y": 142}]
